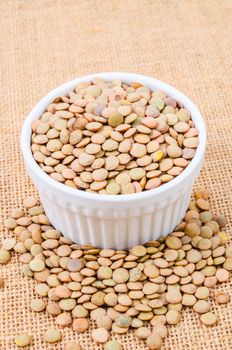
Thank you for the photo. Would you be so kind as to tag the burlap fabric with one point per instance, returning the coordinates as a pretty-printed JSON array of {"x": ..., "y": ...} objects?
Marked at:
[{"x": 45, "y": 43}]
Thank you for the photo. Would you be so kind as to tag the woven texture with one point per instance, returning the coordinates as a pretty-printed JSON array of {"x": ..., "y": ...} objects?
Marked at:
[{"x": 47, "y": 42}]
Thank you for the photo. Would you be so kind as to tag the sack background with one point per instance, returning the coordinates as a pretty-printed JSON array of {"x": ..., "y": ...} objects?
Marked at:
[{"x": 45, "y": 43}]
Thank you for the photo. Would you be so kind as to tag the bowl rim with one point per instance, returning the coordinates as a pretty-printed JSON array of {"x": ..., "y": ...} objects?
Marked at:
[{"x": 127, "y": 77}]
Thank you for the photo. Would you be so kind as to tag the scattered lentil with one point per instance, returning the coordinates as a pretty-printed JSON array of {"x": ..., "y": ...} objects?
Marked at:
[
  {"x": 4, "y": 256},
  {"x": 80, "y": 325},
  {"x": 209, "y": 319},
  {"x": 8, "y": 243},
  {"x": 100, "y": 335},
  {"x": 37, "y": 265},
  {"x": 161, "y": 330},
  {"x": 222, "y": 298},
  {"x": 23, "y": 340},
  {"x": 52, "y": 335},
  {"x": 173, "y": 317},
  {"x": 113, "y": 345},
  {"x": 154, "y": 341},
  {"x": 120, "y": 289},
  {"x": 10, "y": 223},
  {"x": 201, "y": 306},
  {"x": 37, "y": 305}
]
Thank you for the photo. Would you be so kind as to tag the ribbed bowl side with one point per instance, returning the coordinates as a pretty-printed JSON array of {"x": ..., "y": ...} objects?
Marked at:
[{"x": 117, "y": 228}]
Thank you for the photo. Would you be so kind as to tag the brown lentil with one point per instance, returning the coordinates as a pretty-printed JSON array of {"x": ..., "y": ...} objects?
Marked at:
[
  {"x": 201, "y": 306},
  {"x": 173, "y": 317},
  {"x": 37, "y": 305},
  {"x": 100, "y": 335},
  {"x": 113, "y": 345},
  {"x": 23, "y": 340},
  {"x": 154, "y": 341},
  {"x": 209, "y": 319},
  {"x": 222, "y": 298},
  {"x": 52, "y": 335},
  {"x": 4, "y": 256},
  {"x": 80, "y": 325},
  {"x": 143, "y": 332}
]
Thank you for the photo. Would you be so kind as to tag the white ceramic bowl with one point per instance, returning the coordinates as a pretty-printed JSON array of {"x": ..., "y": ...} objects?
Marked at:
[{"x": 114, "y": 221}]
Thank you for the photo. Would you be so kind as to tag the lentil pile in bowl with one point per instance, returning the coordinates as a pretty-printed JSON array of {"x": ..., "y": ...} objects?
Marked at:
[{"x": 110, "y": 137}]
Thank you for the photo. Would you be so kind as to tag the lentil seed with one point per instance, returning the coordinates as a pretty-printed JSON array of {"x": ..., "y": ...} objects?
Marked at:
[
  {"x": 113, "y": 345},
  {"x": 154, "y": 341},
  {"x": 100, "y": 335},
  {"x": 209, "y": 319},
  {"x": 80, "y": 325},
  {"x": 222, "y": 298},
  {"x": 52, "y": 335},
  {"x": 4, "y": 256},
  {"x": 23, "y": 340},
  {"x": 37, "y": 305}
]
